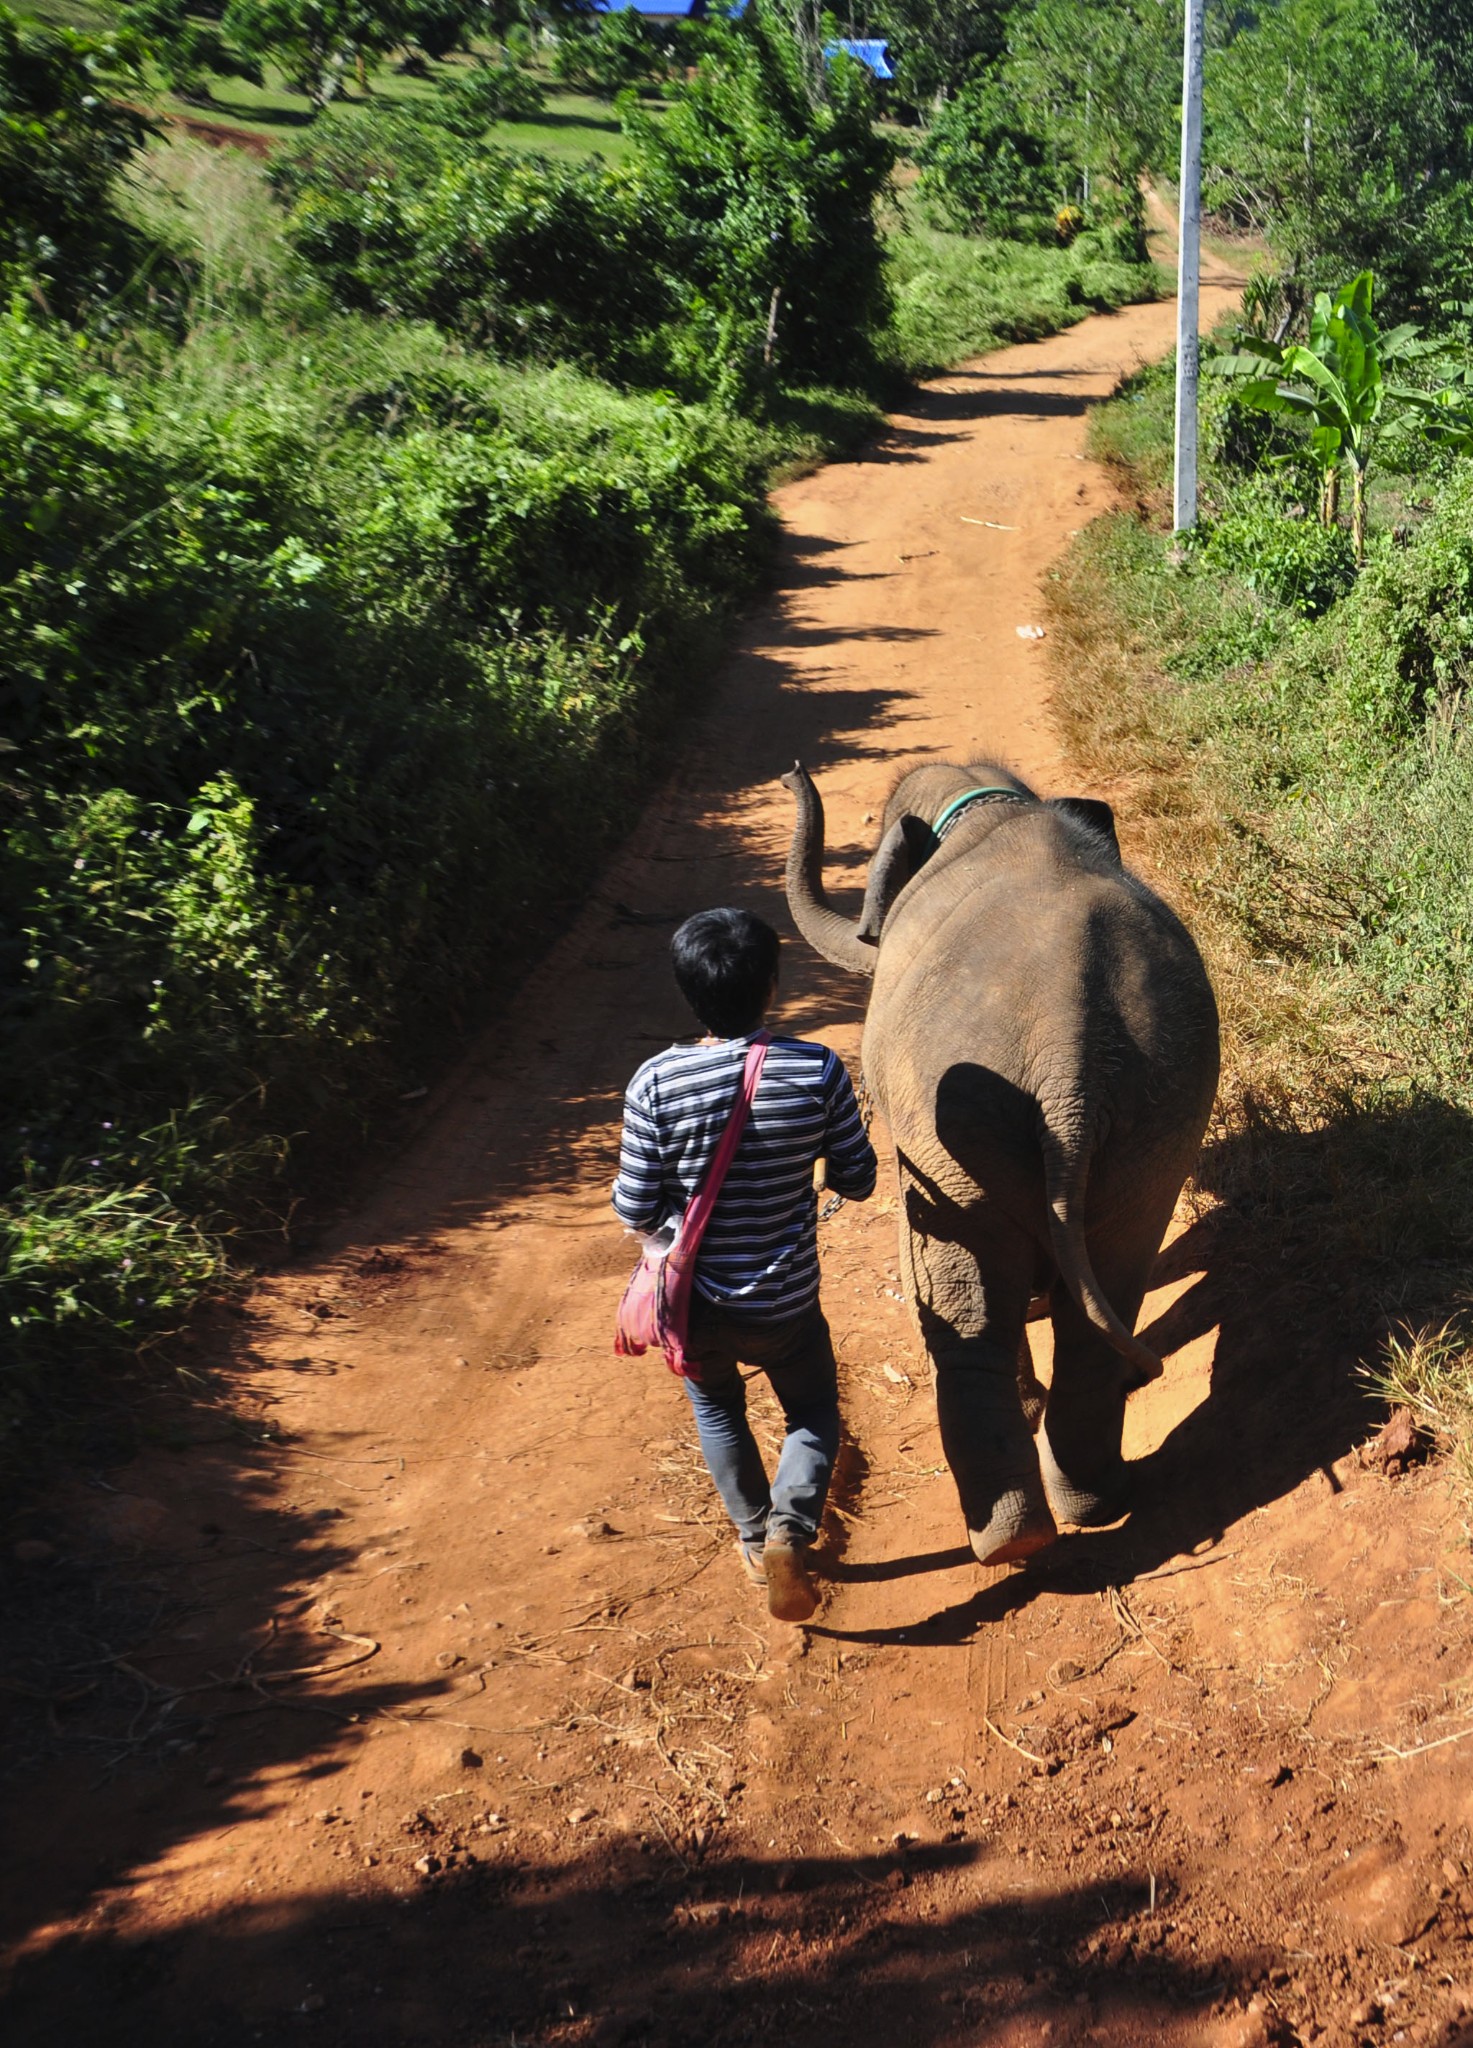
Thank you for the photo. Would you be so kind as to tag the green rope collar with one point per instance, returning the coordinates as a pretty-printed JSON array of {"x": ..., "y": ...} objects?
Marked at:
[{"x": 992, "y": 794}]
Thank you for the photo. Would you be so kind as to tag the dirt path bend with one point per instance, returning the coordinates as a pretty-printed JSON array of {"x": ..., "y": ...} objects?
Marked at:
[{"x": 431, "y": 1706}]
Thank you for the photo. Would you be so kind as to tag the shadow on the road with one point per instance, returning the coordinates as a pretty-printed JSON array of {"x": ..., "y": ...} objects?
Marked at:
[
  {"x": 627, "y": 1947},
  {"x": 901, "y": 1567},
  {"x": 1288, "y": 1273}
]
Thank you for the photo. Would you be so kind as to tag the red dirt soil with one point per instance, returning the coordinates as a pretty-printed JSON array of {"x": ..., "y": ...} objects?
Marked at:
[{"x": 421, "y": 1697}]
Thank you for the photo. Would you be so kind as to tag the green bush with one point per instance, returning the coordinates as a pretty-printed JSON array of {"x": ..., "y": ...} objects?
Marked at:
[
  {"x": 984, "y": 170},
  {"x": 477, "y": 99},
  {"x": 1297, "y": 562},
  {"x": 67, "y": 130},
  {"x": 514, "y": 252},
  {"x": 774, "y": 192},
  {"x": 310, "y": 656}
]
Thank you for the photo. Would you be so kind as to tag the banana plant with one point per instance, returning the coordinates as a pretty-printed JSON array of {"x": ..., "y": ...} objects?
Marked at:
[
  {"x": 1445, "y": 417},
  {"x": 1335, "y": 382}
]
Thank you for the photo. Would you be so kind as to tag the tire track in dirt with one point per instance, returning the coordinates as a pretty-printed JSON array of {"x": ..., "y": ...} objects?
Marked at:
[{"x": 579, "y": 1788}]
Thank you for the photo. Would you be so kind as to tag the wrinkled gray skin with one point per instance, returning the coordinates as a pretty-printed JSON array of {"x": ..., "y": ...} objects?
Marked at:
[{"x": 1042, "y": 1041}]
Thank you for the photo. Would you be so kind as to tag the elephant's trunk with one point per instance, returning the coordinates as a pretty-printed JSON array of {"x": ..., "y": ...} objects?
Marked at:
[{"x": 823, "y": 928}]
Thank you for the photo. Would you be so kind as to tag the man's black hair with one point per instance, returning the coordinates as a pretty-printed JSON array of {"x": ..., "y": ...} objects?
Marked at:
[{"x": 725, "y": 963}]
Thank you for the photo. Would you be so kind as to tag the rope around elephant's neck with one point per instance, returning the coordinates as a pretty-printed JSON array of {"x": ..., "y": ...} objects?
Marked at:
[{"x": 992, "y": 794}]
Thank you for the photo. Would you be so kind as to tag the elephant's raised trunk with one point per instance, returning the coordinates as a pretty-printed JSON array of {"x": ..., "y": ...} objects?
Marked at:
[{"x": 823, "y": 928}]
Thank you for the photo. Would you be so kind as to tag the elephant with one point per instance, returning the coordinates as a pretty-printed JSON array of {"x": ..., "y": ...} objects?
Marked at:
[{"x": 1042, "y": 1040}]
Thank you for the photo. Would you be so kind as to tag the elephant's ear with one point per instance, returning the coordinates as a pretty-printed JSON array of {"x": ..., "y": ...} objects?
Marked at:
[
  {"x": 1092, "y": 811},
  {"x": 906, "y": 847}
]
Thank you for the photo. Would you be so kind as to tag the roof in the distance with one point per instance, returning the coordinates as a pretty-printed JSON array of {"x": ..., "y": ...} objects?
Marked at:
[{"x": 867, "y": 51}]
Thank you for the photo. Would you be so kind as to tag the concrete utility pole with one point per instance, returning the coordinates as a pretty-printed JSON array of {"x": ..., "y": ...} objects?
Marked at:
[{"x": 1189, "y": 268}]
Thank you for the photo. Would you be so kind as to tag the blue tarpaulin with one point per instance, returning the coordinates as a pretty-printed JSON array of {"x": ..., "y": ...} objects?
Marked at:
[
  {"x": 670, "y": 10},
  {"x": 870, "y": 54}
]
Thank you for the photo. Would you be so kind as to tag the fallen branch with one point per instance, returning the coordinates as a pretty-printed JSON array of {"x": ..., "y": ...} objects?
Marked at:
[{"x": 1008, "y": 1742}]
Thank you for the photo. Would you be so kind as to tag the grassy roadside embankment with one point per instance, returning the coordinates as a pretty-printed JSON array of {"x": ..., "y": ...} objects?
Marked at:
[{"x": 1293, "y": 744}]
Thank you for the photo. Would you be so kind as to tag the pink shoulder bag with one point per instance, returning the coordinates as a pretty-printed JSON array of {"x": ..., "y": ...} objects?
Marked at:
[{"x": 655, "y": 1311}]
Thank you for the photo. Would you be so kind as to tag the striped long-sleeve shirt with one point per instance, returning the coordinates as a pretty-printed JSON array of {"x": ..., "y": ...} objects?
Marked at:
[{"x": 759, "y": 1255}]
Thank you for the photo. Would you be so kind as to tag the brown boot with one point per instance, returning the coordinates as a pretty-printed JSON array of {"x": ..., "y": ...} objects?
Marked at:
[{"x": 791, "y": 1593}]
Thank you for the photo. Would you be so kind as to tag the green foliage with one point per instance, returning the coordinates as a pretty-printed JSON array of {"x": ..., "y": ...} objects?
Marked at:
[
  {"x": 1335, "y": 384},
  {"x": 774, "y": 190},
  {"x": 439, "y": 26},
  {"x": 1327, "y": 132},
  {"x": 958, "y": 295},
  {"x": 935, "y": 44},
  {"x": 1070, "y": 117},
  {"x": 474, "y": 100},
  {"x": 66, "y": 132},
  {"x": 314, "y": 41},
  {"x": 1105, "y": 77},
  {"x": 310, "y": 657},
  {"x": 984, "y": 169},
  {"x": 514, "y": 252},
  {"x": 187, "y": 48},
  {"x": 1296, "y": 562},
  {"x": 614, "y": 53}
]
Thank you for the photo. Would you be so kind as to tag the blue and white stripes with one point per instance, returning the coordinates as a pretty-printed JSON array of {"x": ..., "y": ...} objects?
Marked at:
[{"x": 759, "y": 1256}]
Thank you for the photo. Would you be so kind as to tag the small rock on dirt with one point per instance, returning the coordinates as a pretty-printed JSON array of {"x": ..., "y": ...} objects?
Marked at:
[
  {"x": 593, "y": 1529},
  {"x": 471, "y": 1759},
  {"x": 579, "y": 1815},
  {"x": 1400, "y": 1444}
]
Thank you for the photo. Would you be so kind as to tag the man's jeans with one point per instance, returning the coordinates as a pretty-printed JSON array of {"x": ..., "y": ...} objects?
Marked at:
[{"x": 798, "y": 1359}]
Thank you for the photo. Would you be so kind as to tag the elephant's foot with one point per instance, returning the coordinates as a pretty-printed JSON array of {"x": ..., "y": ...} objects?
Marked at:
[
  {"x": 1020, "y": 1525},
  {"x": 1088, "y": 1505}
]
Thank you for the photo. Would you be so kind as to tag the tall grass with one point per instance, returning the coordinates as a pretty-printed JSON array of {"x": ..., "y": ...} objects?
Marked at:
[{"x": 960, "y": 295}]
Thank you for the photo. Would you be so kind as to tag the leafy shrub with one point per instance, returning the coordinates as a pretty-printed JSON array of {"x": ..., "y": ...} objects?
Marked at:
[
  {"x": 774, "y": 193},
  {"x": 528, "y": 256},
  {"x": 475, "y": 100},
  {"x": 985, "y": 170},
  {"x": 1297, "y": 562},
  {"x": 298, "y": 705},
  {"x": 66, "y": 132}
]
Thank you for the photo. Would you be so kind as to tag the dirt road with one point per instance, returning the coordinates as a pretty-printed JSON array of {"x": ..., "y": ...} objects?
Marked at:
[{"x": 424, "y": 1701}]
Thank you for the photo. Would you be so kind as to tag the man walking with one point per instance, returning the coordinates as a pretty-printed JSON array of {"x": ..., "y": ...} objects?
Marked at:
[{"x": 756, "y": 1300}]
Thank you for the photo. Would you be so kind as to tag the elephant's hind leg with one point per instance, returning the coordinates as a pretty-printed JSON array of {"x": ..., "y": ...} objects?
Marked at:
[
  {"x": 1079, "y": 1445},
  {"x": 971, "y": 1308}
]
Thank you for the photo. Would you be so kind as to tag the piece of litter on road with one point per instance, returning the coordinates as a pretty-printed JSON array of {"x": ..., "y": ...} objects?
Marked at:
[
  {"x": 901, "y": 1379},
  {"x": 996, "y": 524},
  {"x": 1030, "y": 632}
]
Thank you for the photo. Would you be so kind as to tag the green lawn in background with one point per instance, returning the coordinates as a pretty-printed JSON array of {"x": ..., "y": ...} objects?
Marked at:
[{"x": 572, "y": 125}]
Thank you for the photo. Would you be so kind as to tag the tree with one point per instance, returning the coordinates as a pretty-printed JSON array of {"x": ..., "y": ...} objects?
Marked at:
[
  {"x": 66, "y": 131},
  {"x": 186, "y": 48},
  {"x": 1104, "y": 79},
  {"x": 314, "y": 41},
  {"x": 617, "y": 53},
  {"x": 440, "y": 26},
  {"x": 1325, "y": 133},
  {"x": 985, "y": 167},
  {"x": 770, "y": 178},
  {"x": 936, "y": 45}
]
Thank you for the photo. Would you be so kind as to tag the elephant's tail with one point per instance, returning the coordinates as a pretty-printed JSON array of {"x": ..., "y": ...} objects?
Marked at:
[{"x": 1071, "y": 1256}]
